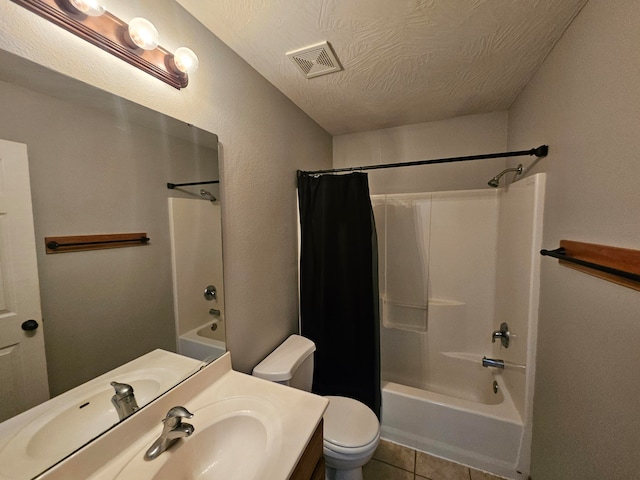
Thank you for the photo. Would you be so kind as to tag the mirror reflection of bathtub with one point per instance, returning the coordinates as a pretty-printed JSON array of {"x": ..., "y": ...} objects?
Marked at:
[
  {"x": 202, "y": 343},
  {"x": 198, "y": 286}
]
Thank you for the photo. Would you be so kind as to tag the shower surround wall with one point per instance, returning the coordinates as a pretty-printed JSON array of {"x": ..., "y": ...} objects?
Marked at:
[
  {"x": 452, "y": 254},
  {"x": 477, "y": 256}
]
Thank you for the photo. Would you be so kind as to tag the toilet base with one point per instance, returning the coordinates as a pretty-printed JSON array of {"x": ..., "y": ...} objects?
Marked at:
[
  {"x": 350, "y": 474},
  {"x": 341, "y": 466}
]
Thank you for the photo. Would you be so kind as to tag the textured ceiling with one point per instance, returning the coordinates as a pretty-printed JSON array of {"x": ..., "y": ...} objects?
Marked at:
[{"x": 405, "y": 61}]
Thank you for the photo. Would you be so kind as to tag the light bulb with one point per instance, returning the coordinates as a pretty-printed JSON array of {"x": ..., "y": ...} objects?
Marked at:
[
  {"x": 93, "y": 8},
  {"x": 185, "y": 60},
  {"x": 143, "y": 34}
]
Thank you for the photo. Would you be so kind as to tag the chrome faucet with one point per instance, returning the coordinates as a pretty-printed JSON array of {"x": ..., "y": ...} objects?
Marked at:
[
  {"x": 123, "y": 400},
  {"x": 173, "y": 430},
  {"x": 492, "y": 362},
  {"x": 503, "y": 334}
]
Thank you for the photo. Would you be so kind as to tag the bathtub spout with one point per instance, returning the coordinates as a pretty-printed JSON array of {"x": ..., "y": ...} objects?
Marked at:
[{"x": 491, "y": 362}]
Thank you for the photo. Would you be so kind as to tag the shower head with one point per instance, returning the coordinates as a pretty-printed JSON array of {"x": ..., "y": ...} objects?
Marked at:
[
  {"x": 495, "y": 181},
  {"x": 207, "y": 195}
]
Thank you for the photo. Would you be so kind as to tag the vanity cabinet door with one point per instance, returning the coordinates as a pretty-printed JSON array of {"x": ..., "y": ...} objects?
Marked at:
[
  {"x": 318, "y": 473},
  {"x": 311, "y": 465}
]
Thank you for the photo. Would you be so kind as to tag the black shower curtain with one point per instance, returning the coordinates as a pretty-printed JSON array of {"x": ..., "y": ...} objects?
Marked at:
[{"x": 339, "y": 285}]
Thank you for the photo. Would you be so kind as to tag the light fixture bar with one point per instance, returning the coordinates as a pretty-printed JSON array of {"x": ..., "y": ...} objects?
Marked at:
[{"x": 108, "y": 32}]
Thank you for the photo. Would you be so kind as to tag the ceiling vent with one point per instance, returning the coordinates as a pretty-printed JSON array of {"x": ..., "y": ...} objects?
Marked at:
[{"x": 315, "y": 60}]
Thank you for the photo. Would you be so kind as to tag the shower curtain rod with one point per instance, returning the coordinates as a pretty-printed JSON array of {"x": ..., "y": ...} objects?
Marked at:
[
  {"x": 539, "y": 152},
  {"x": 174, "y": 185}
]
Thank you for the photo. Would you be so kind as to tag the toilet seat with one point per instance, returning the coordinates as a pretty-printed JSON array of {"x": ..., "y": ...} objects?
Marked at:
[{"x": 350, "y": 427}]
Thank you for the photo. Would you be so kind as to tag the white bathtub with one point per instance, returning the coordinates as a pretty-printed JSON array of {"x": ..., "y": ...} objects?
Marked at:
[
  {"x": 473, "y": 425},
  {"x": 201, "y": 343}
]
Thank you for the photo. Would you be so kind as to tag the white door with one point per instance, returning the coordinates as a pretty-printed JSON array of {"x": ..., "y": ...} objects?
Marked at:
[{"x": 23, "y": 369}]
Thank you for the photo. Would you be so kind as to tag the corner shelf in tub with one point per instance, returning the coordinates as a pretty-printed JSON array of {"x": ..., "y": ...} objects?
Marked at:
[{"x": 436, "y": 310}]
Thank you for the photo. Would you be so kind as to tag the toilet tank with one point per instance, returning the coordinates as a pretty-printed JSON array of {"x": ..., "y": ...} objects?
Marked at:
[{"x": 290, "y": 364}]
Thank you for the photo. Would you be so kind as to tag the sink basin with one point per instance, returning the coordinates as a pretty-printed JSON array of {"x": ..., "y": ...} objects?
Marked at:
[
  {"x": 234, "y": 439},
  {"x": 217, "y": 451},
  {"x": 244, "y": 428},
  {"x": 53, "y": 433}
]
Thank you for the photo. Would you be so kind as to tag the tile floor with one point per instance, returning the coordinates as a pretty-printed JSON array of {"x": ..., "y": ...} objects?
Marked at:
[{"x": 395, "y": 462}]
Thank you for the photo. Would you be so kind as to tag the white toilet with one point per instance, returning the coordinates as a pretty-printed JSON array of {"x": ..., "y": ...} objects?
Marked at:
[{"x": 351, "y": 429}]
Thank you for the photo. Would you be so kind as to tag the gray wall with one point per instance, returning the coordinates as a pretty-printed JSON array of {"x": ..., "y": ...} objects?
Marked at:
[
  {"x": 584, "y": 102},
  {"x": 460, "y": 136}
]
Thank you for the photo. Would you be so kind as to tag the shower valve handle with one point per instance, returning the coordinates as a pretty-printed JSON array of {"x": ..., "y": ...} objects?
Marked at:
[{"x": 503, "y": 334}]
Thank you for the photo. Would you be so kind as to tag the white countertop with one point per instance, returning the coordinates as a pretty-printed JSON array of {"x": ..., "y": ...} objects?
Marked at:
[{"x": 295, "y": 413}]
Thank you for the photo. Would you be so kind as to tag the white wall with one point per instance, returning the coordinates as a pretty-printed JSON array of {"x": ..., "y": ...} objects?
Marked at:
[
  {"x": 264, "y": 138},
  {"x": 584, "y": 103},
  {"x": 461, "y": 136}
]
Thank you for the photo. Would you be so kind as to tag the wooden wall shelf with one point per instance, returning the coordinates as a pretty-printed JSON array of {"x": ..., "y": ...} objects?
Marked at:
[
  {"x": 617, "y": 265},
  {"x": 80, "y": 243}
]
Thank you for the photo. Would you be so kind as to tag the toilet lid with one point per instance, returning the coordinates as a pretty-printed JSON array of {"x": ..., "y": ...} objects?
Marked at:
[{"x": 349, "y": 423}]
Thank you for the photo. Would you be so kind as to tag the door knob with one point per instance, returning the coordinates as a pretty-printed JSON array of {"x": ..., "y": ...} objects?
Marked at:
[
  {"x": 210, "y": 293},
  {"x": 29, "y": 325}
]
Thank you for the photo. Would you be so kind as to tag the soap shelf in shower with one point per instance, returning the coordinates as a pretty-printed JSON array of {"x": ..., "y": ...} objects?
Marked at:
[
  {"x": 617, "y": 265},
  {"x": 79, "y": 243}
]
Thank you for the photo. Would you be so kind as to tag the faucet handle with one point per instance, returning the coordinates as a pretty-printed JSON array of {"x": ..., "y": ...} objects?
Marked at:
[
  {"x": 175, "y": 415},
  {"x": 173, "y": 430},
  {"x": 124, "y": 401},
  {"x": 122, "y": 390},
  {"x": 503, "y": 334}
]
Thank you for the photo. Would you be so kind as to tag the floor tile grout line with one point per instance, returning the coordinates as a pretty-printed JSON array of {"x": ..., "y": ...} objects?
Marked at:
[
  {"x": 415, "y": 465},
  {"x": 394, "y": 466}
]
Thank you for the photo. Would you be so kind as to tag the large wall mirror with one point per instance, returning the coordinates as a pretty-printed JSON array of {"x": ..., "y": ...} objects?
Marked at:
[{"x": 99, "y": 164}]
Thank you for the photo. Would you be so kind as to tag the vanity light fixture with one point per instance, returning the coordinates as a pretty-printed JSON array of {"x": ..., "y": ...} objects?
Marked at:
[
  {"x": 136, "y": 43},
  {"x": 93, "y": 8},
  {"x": 141, "y": 33},
  {"x": 184, "y": 60}
]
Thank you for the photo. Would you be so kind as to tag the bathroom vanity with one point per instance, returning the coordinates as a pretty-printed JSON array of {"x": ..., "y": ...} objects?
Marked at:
[
  {"x": 245, "y": 428},
  {"x": 311, "y": 466}
]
